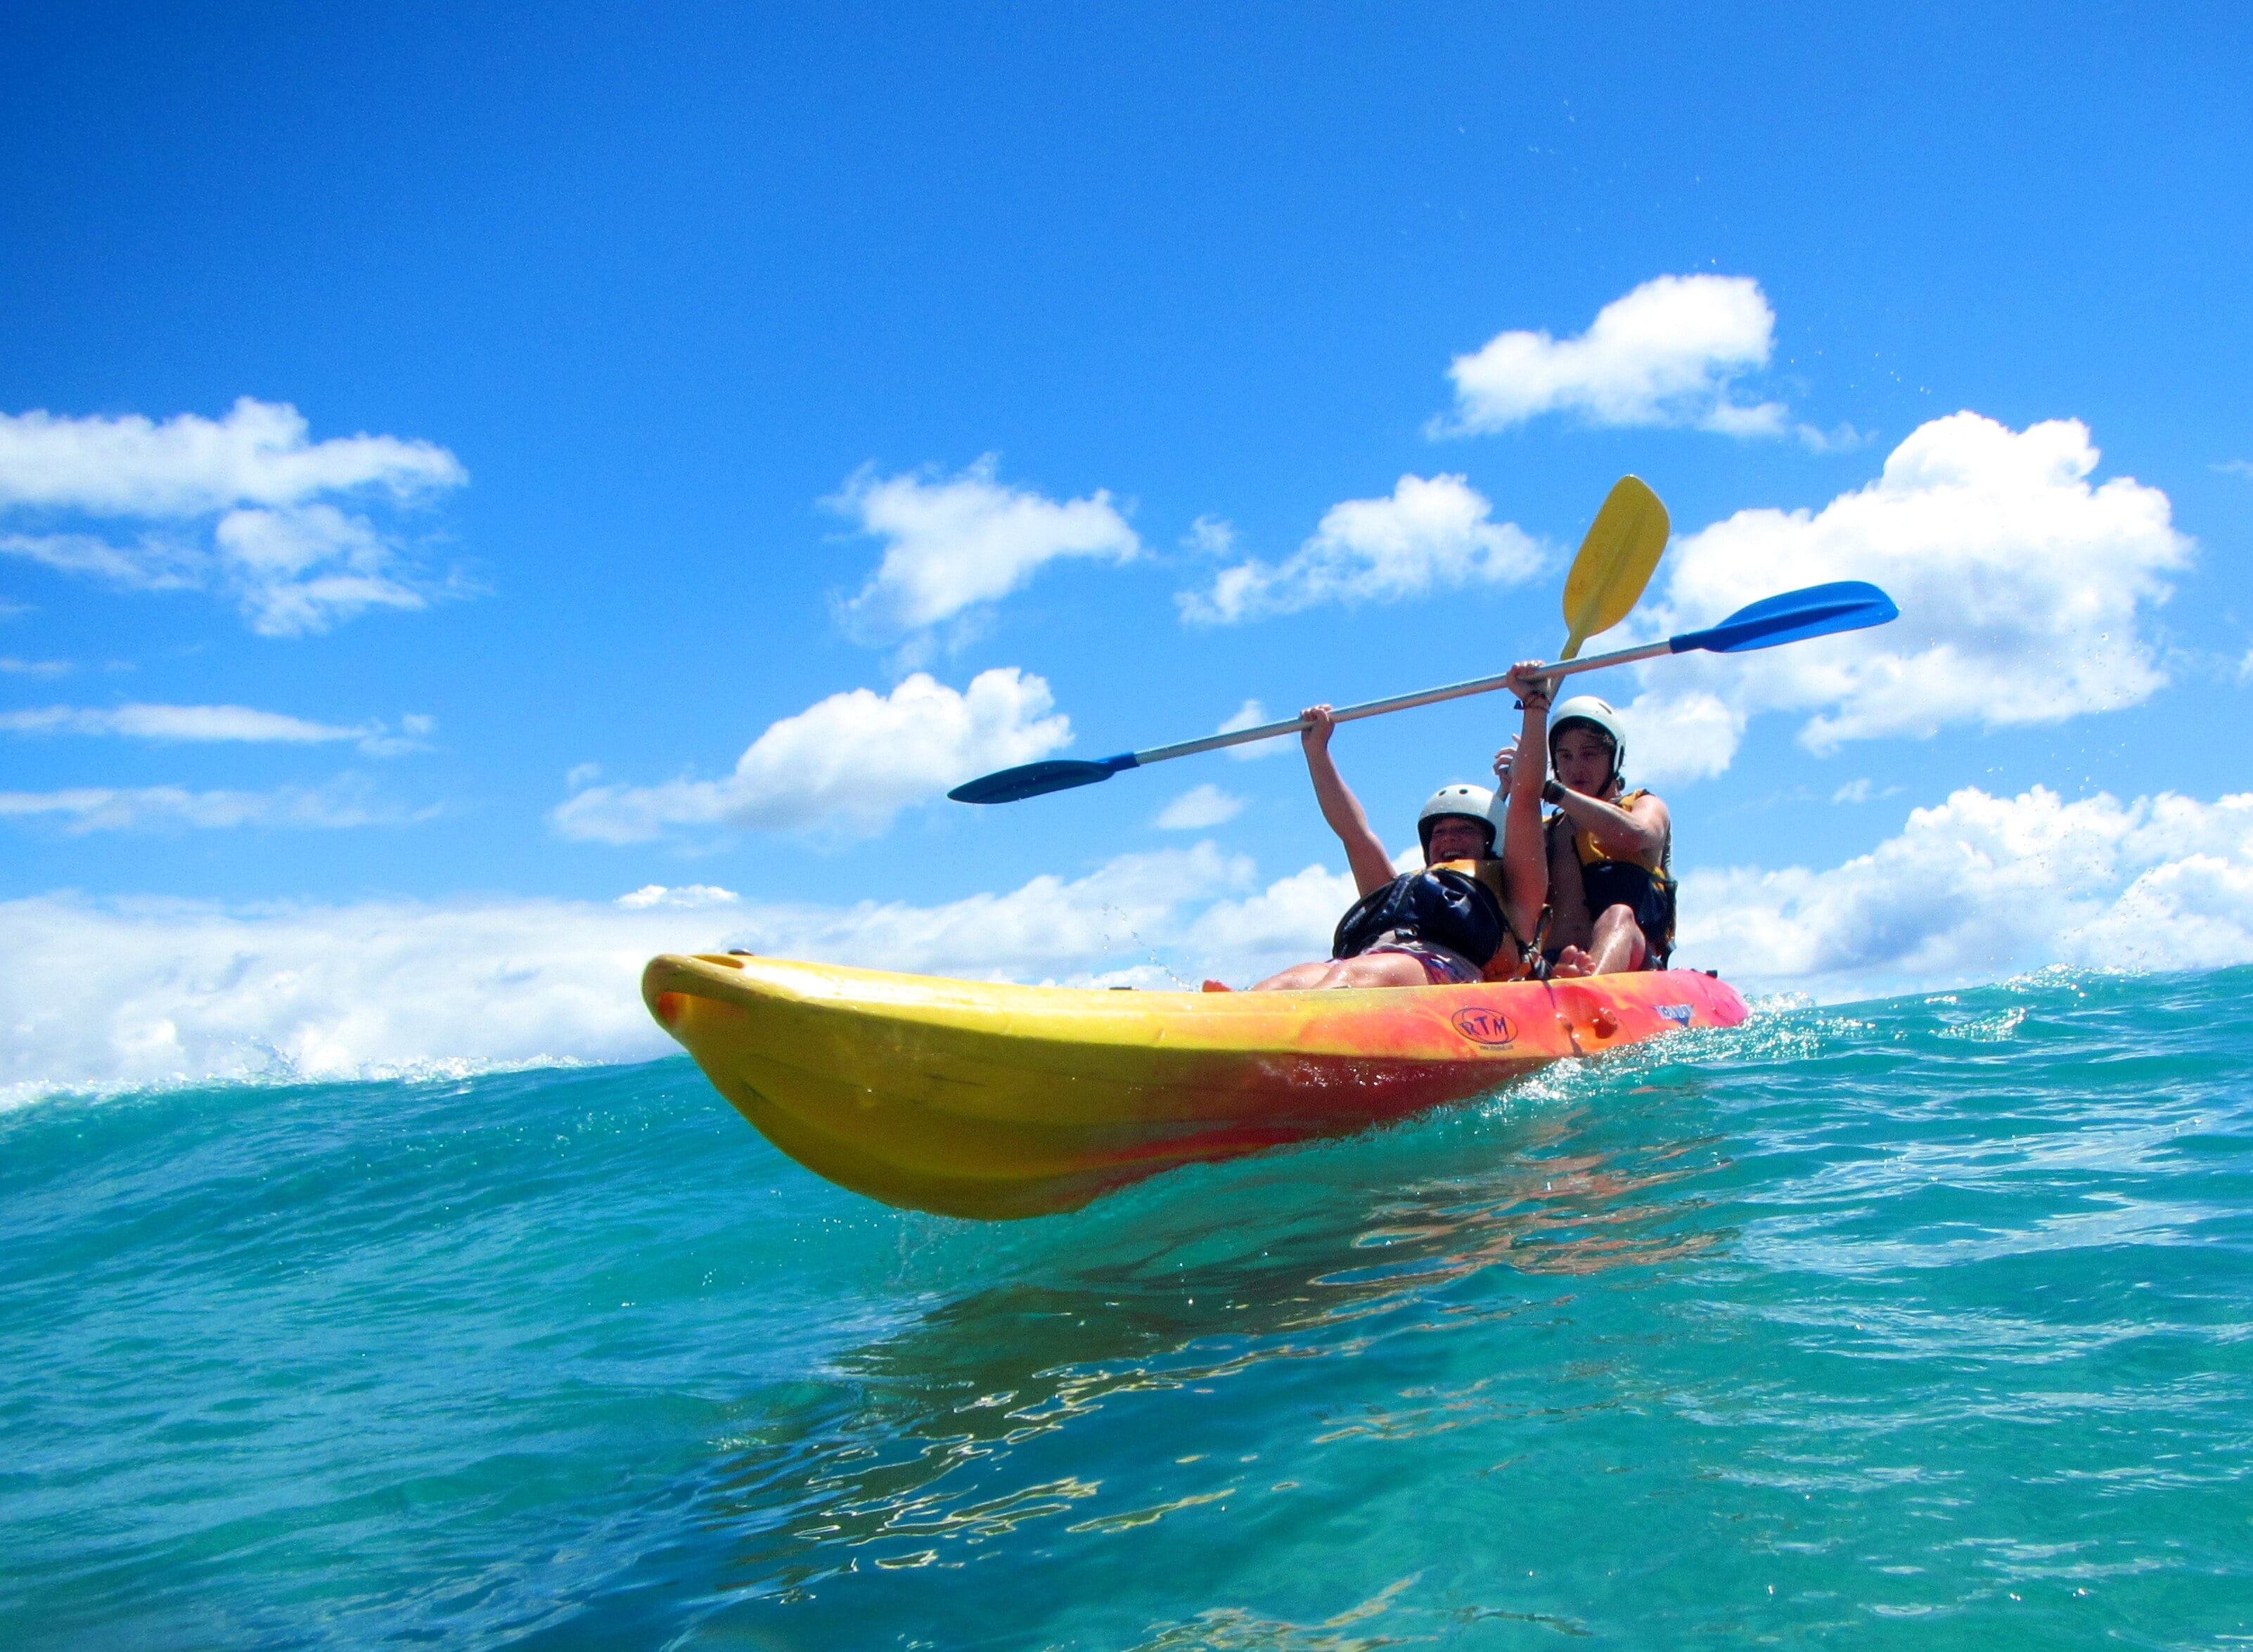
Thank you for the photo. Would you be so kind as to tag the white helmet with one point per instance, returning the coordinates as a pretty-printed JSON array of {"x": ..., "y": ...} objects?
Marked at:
[
  {"x": 1473, "y": 803},
  {"x": 1589, "y": 709}
]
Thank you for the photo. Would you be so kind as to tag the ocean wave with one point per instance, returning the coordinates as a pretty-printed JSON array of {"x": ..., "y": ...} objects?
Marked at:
[{"x": 280, "y": 1073}]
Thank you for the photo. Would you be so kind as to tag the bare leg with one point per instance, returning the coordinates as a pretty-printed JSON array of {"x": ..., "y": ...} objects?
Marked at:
[
  {"x": 1569, "y": 921},
  {"x": 1371, "y": 969},
  {"x": 1619, "y": 946}
]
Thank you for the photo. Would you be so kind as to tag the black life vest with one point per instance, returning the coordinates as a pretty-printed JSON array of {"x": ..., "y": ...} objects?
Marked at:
[{"x": 1440, "y": 905}]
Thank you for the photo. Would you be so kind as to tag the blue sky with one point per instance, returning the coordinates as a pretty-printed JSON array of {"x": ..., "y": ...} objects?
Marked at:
[{"x": 655, "y": 315}]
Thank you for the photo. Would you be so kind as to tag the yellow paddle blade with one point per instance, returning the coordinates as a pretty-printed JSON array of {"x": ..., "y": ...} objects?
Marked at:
[{"x": 1616, "y": 563}]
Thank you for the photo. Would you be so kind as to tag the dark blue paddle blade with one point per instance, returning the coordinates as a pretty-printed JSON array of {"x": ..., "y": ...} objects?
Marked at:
[
  {"x": 1847, "y": 604},
  {"x": 1035, "y": 780}
]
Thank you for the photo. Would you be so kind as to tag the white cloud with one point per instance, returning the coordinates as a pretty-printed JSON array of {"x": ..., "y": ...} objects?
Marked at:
[
  {"x": 208, "y": 723},
  {"x": 1666, "y": 354},
  {"x": 1210, "y": 536},
  {"x": 2236, "y": 467},
  {"x": 1678, "y": 736},
  {"x": 686, "y": 898},
  {"x": 848, "y": 764},
  {"x": 146, "y": 991},
  {"x": 965, "y": 539},
  {"x": 2024, "y": 593},
  {"x": 1977, "y": 889},
  {"x": 137, "y": 991},
  {"x": 1863, "y": 790},
  {"x": 1199, "y": 807},
  {"x": 293, "y": 561},
  {"x": 298, "y": 572},
  {"x": 191, "y": 466},
  {"x": 152, "y": 563},
  {"x": 1291, "y": 920},
  {"x": 1982, "y": 886},
  {"x": 1843, "y": 439},
  {"x": 345, "y": 801},
  {"x": 1430, "y": 535},
  {"x": 13, "y": 668}
]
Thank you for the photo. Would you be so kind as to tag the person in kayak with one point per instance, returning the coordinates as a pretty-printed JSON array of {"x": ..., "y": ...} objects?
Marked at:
[
  {"x": 1466, "y": 916},
  {"x": 1609, "y": 877}
]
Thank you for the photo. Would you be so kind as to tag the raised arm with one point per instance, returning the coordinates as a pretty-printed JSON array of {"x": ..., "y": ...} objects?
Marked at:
[
  {"x": 1364, "y": 853},
  {"x": 1525, "y": 852}
]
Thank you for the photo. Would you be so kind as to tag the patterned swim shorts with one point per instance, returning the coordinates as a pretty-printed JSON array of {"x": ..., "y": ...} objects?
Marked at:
[{"x": 1442, "y": 965}]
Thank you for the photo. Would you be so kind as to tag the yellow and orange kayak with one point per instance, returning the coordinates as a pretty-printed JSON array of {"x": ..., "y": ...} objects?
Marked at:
[{"x": 975, "y": 1098}]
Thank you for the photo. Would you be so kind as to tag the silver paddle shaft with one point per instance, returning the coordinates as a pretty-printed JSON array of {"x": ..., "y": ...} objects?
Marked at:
[{"x": 1398, "y": 702}]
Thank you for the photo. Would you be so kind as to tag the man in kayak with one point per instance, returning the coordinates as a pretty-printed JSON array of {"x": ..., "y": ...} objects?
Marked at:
[
  {"x": 1611, "y": 889},
  {"x": 1470, "y": 921}
]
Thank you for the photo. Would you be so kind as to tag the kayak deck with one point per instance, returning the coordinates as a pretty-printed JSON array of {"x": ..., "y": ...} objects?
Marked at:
[{"x": 984, "y": 1099}]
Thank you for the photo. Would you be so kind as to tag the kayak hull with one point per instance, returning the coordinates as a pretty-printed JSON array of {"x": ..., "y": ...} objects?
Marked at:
[{"x": 984, "y": 1100}]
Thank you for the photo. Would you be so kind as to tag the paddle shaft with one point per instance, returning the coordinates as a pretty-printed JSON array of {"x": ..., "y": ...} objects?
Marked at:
[
  {"x": 1819, "y": 611},
  {"x": 1398, "y": 702}
]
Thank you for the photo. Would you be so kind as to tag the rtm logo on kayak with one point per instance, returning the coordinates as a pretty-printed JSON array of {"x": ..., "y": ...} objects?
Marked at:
[
  {"x": 1484, "y": 1026},
  {"x": 1679, "y": 1013}
]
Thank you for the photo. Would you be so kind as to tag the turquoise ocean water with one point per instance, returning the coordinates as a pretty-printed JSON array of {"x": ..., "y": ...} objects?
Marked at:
[{"x": 1925, "y": 1323}]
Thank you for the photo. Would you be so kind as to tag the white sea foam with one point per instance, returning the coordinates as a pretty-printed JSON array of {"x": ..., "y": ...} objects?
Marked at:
[{"x": 278, "y": 1073}]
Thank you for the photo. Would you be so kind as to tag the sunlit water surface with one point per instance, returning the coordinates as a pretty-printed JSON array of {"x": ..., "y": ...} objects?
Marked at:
[{"x": 1918, "y": 1324}]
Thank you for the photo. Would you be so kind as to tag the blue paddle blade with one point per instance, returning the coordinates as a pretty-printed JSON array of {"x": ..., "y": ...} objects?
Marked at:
[
  {"x": 1036, "y": 779},
  {"x": 1843, "y": 605}
]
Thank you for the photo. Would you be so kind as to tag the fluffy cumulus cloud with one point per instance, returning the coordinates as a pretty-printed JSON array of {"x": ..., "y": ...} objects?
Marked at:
[
  {"x": 320, "y": 991},
  {"x": 953, "y": 542},
  {"x": 141, "y": 992},
  {"x": 246, "y": 505},
  {"x": 199, "y": 723},
  {"x": 1975, "y": 888},
  {"x": 846, "y": 765},
  {"x": 1679, "y": 735},
  {"x": 1429, "y": 534},
  {"x": 1980, "y": 886},
  {"x": 1666, "y": 354},
  {"x": 2025, "y": 591}
]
